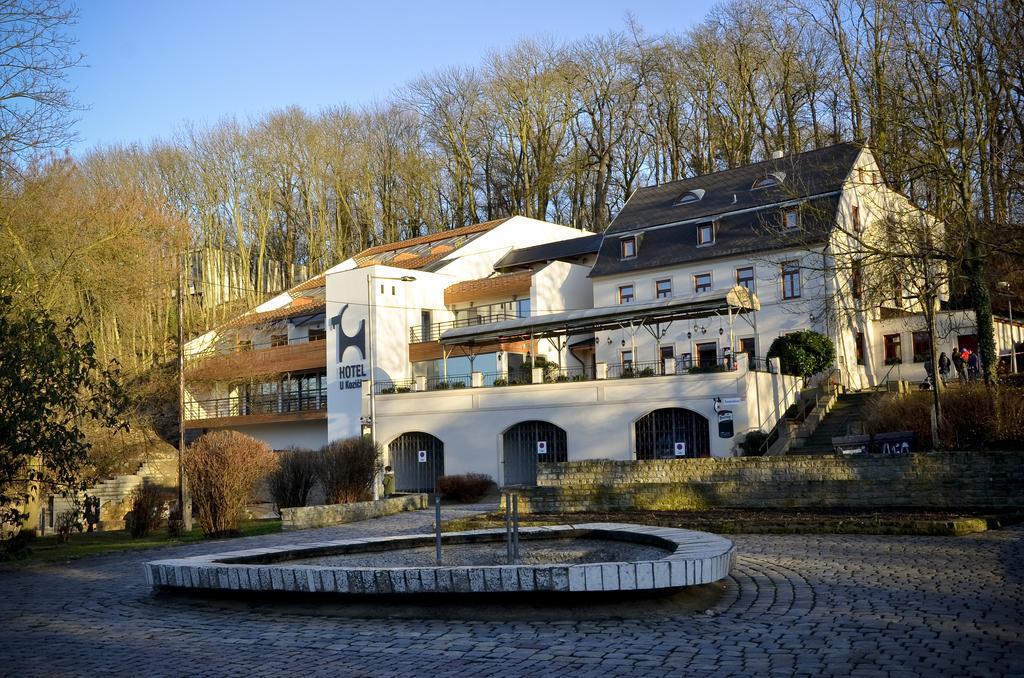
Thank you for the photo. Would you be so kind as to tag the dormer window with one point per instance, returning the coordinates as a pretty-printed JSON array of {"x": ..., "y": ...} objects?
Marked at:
[
  {"x": 627, "y": 247},
  {"x": 691, "y": 197},
  {"x": 771, "y": 179},
  {"x": 705, "y": 234},
  {"x": 790, "y": 220}
]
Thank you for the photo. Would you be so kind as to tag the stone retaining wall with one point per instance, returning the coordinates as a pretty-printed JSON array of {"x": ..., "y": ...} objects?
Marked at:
[
  {"x": 953, "y": 479},
  {"x": 306, "y": 517}
]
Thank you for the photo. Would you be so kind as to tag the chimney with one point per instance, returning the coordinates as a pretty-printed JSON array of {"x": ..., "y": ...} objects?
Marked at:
[{"x": 778, "y": 154}]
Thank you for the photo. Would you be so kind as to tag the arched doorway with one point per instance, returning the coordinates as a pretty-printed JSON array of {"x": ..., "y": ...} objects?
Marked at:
[
  {"x": 658, "y": 432},
  {"x": 522, "y": 452},
  {"x": 412, "y": 474}
]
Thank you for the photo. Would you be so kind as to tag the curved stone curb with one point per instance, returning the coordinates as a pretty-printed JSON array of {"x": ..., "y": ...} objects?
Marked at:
[{"x": 695, "y": 558}]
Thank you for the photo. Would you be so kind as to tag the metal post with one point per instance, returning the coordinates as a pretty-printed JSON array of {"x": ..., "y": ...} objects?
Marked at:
[
  {"x": 370, "y": 356},
  {"x": 437, "y": 527},
  {"x": 515, "y": 529},
  {"x": 508, "y": 526},
  {"x": 183, "y": 504}
]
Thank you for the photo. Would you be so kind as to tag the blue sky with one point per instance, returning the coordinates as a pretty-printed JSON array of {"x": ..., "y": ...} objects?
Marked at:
[{"x": 152, "y": 65}]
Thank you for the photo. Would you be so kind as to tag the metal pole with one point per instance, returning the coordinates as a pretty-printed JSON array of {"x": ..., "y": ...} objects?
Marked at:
[
  {"x": 508, "y": 526},
  {"x": 1013, "y": 340},
  {"x": 186, "y": 513},
  {"x": 437, "y": 527},
  {"x": 370, "y": 356},
  {"x": 515, "y": 529}
]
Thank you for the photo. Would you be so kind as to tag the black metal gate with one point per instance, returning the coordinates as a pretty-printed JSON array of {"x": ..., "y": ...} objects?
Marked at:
[
  {"x": 412, "y": 474},
  {"x": 522, "y": 450},
  {"x": 658, "y": 432}
]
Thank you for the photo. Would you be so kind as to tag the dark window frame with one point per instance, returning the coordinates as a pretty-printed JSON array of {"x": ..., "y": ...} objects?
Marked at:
[
  {"x": 792, "y": 286},
  {"x": 741, "y": 281},
  {"x": 699, "y": 288},
  {"x": 660, "y": 293},
  {"x": 631, "y": 295}
]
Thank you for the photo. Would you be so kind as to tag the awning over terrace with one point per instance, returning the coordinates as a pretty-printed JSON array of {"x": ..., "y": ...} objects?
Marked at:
[{"x": 736, "y": 301}]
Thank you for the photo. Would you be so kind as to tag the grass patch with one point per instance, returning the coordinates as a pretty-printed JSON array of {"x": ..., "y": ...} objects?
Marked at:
[
  {"x": 774, "y": 521},
  {"x": 49, "y": 550}
]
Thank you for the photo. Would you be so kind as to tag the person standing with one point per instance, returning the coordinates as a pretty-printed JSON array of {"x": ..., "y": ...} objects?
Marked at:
[
  {"x": 973, "y": 365},
  {"x": 958, "y": 365},
  {"x": 944, "y": 364},
  {"x": 389, "y": 482}
]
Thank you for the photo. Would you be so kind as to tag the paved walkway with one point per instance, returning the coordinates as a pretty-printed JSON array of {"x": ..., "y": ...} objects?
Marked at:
[{"x": 802, "y": 604}]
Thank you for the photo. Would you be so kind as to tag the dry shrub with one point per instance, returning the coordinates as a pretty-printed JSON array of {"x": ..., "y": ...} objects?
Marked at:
[
  {"x": 147, "y": 512},
  {"x": 974, "y": 417},
  {"x": 293, "y": 479},
  {"x": 223, "y": 468},
  {"x": 65, "y": 524},
  {"x": 465, "y": 488},
  {"x": 348, "y": 469}
]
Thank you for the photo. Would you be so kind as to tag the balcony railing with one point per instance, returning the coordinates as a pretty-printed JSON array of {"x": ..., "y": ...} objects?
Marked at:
[
  {"x": 242, "y": 406},
  {"x": 223, "y": 349},
  {"x": 524, "y": 376},
  {"x": 485, "y": 315}
]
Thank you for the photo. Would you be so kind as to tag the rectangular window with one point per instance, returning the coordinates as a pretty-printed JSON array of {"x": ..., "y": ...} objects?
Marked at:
[
  {"x": 745, "y": 277},
  {"x": 855, "y": 218},
  {"x": 628, "y": 247},
  {"x": 857, "y": 280},
  {"x": 245, "y": 344},
  {"x": 791, "y": 220},
  {"x": 425, "y": 326},
  {"x": 625, "y": 294},
  {"x": 626, "y": 360},
  {"x": 707, "y": 354},
  {"x": 922, "y": 346},
  {"x": 702, "y": 283},
  {"x": 893, "y": 350},
  {"x": 705, "y": 234},
  {"x": 278, "y": 340},
  {"x": 523, "y": 308},
  {"x": 897, "y": 291},
  {"x": 747, "y": 345},
  {"x": 317, "y": 334},
  {"x": 667, "y": 352},
  {"x": 860, "y": 348},
  {"x": 663, "y": 289},
  {"x": 790, "y": 280}
]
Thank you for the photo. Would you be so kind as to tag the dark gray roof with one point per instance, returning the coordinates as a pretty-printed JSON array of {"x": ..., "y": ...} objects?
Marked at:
[
  {"x": 806, "y": 174},
  {"x": 748, "y": 232},
  {"x": 750, "y": 224},
  {"x": 570, "y": 248}
]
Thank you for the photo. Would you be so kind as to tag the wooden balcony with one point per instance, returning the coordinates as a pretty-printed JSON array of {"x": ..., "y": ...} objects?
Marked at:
[{"x": 245, "y": 364}]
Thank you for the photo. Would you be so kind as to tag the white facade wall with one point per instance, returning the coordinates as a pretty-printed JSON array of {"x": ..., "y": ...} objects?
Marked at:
[
  {"x": 598, "y": 416},
  {"x": 777, "y": 316},
  {"x": 310, "y": 435}
]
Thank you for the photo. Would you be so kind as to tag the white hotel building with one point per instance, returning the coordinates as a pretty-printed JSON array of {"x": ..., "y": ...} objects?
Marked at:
[{"x": 652, "y": 334}]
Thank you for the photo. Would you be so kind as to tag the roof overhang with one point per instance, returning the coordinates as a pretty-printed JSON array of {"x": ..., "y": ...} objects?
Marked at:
[{"x": 736, "y": 300}]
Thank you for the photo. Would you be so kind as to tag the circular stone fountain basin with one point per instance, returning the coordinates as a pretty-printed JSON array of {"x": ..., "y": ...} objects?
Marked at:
[{"x": 593, "y": 557}]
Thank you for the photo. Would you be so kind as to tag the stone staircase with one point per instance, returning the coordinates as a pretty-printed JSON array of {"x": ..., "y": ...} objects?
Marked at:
[
  {"x": 843, "y": 419},
  {"x": 114, "y": 493}
]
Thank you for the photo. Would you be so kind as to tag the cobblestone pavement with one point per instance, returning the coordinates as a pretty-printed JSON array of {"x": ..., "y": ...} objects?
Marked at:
[{"x": 802, "y": 604}]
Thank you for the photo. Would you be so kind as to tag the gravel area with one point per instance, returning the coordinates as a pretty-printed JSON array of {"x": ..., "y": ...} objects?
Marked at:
[{"x": 541, "y": 552}]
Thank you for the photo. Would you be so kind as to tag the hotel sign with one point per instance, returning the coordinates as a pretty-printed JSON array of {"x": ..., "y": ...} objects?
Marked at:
[{"x": 351, "y": 371}]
